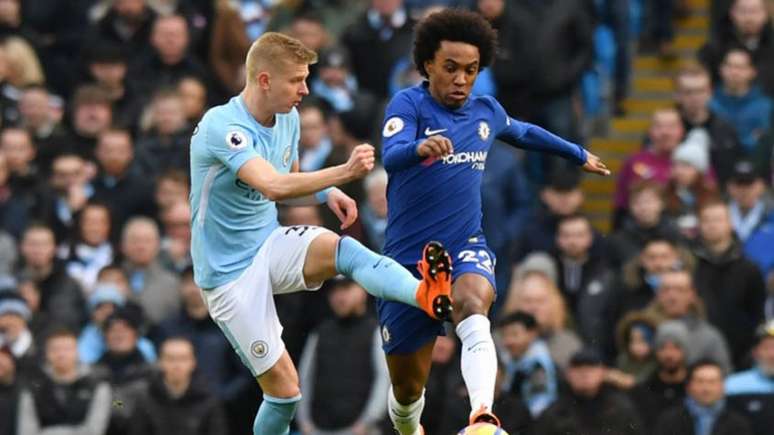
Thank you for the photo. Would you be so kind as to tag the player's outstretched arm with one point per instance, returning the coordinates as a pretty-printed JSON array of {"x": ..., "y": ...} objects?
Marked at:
[
  {"x": 261, "y": 175},
  {"x": 534, "y": 138}
]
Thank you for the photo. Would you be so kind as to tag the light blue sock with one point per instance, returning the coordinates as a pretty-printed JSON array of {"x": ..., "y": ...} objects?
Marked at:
[
  {"x": 381, "y": 276},
  {"x": 274, "y": 415}
]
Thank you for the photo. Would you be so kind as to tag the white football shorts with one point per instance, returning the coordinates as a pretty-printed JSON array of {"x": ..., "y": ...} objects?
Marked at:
[{"x": 244, "y": 308}]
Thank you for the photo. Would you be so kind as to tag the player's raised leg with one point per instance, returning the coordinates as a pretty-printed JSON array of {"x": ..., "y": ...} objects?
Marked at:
[
  {"x": 381, "y": 276},
  {"x": 473, "y": 296}
]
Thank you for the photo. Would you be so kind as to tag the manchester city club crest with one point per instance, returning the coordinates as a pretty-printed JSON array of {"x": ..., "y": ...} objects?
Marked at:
[
  {"x": 259, "y": 349},
  {"x": 483, "y": 130},
  {"x": 286, "y": 156}
]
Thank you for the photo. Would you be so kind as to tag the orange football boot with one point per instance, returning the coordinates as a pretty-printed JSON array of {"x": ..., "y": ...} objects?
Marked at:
[{"x": 434, "y": 291}]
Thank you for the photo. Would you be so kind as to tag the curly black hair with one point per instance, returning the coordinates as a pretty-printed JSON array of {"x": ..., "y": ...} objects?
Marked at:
[{"x": 456, "y": 25}]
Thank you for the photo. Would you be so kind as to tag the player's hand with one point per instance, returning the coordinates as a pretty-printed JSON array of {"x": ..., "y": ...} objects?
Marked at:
[
  {"x": 594, "y": 165},
  {"x": 435, "y": 146},
  {"x": 361, "y": 161},
  {"x": 344, "y": 207}
]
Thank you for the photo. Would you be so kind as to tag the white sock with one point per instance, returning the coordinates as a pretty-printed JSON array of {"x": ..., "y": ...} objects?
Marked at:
[
  {"x": 479, "y": 360},
  {"x": 405, "y": 418}
]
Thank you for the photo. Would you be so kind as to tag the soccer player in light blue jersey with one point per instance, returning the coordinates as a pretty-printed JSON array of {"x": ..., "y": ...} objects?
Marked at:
[
  {"x": 244, "y": 159},
  {"x": 436, "y": 138}
]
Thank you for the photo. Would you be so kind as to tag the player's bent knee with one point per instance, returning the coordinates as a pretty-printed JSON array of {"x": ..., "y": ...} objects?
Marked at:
[
  {"x": 469, "y": 305},
  {"x": 320, "y": 262},
  {"x": 407, "y": 392},
  {"x": 281, "y": 381}
]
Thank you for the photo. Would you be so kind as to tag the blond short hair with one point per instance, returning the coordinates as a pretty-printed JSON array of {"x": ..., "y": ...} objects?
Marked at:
[{"x": 273, "y": 47}]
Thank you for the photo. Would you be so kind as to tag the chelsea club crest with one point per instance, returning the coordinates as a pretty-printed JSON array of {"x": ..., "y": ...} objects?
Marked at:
[{"x": 483, "y": 130}]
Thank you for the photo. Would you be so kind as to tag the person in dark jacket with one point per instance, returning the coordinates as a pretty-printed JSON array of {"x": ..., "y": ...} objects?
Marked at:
[
  {"x": 376, "y": 41},
  {"x": 746, "y": 26},
  {"x": 561, "y": 197},
  {"x": 166, "y": 145},
  {"x": 549, "y": 46},
  {"x": 359, "y": 385},
  {"x": 589, "y": 407},
  {"x": 583, "y": 274},
  {"x": 19, "y": 150},
  {"x": 666, "y": 387},
  {"x": 126, "y": 23},
  {"x": 91, "y": 114},
  {"x": 704, "y": 410},
  {"x": 730, "y": 285},
  {"x": 124, "y": 366},
  {"x": 119, "y": 183},
  {"x": 217, "y": 364},
  {"x": 751, "y": 393},
  {"x": 693, "y": 92},
  {"x": 66, "y": 397},
  {"x": 107, "y": 65},
  {"x": 646, "y": 220},
  {"x": 175, "y": 404},
  {"x": 170, "y": 58},
  {"x": 61, "y": 298}
]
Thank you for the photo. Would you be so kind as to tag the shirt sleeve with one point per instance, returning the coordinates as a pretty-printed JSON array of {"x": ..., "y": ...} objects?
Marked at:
[
  {"x": 399, "y": 134},
  {"x": 533, "y": 138},
  {"x": 231, "y": 144}
]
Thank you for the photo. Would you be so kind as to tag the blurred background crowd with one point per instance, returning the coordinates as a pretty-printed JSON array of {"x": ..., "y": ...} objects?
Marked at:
[{"x": 649, "y": 317}]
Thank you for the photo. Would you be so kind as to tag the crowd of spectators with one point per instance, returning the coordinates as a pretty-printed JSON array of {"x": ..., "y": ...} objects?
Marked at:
[{"x": 663, "y": 326}]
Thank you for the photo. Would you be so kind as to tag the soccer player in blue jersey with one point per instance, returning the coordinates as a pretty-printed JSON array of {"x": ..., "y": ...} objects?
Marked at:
[
  {"x": 435, "y": 141},
  {"x": 244, "y": 158}
]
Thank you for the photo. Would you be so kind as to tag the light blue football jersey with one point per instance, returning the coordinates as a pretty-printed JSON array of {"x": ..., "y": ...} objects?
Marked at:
[{"x": 229, "y": 219}]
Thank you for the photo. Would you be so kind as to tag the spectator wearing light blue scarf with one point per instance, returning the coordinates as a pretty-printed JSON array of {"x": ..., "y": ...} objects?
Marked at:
[
  {"x": 91, "y": 343},
  {"x": 530, "y": 372},
  {"x": 704, "y": 411}
]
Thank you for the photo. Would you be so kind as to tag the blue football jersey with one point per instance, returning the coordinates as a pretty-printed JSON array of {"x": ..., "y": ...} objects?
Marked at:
[
  {"x": 230, "y": 219},
  {"x": 440, "y": 199}
]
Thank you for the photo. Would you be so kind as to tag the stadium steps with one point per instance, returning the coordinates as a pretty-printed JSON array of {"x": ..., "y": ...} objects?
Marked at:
[{"x": 651, "y": 89}]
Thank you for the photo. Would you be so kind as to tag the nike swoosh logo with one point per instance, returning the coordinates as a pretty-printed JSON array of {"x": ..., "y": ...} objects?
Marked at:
[
  {"x": 429, "y": 132},
  {"x": 475, "y": 345},
  {"x": 378, "y": 262}
]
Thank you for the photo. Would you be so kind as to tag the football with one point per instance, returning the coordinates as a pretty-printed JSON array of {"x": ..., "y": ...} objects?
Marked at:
[{"x": 482, "y": 429}]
